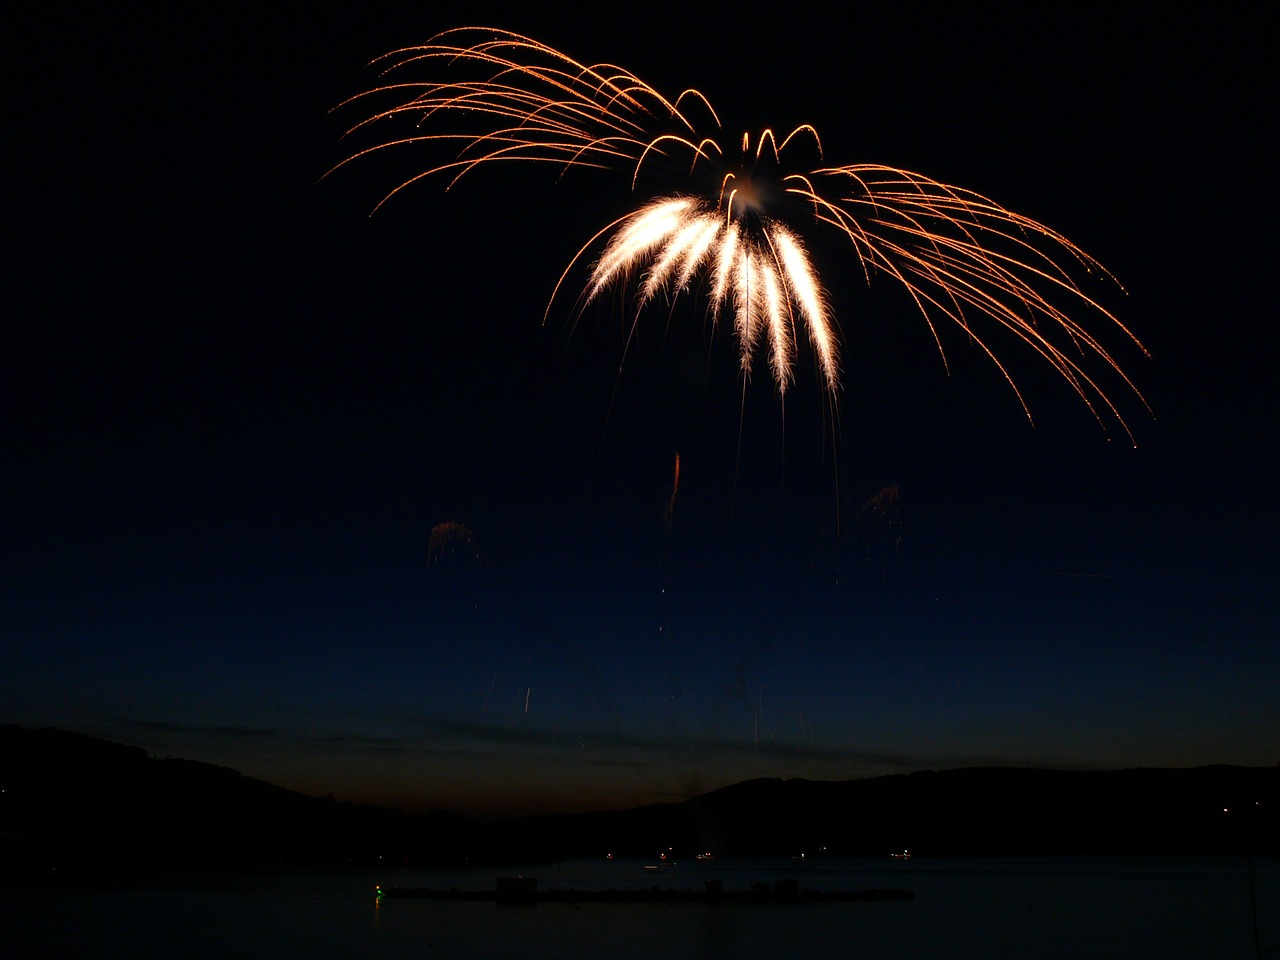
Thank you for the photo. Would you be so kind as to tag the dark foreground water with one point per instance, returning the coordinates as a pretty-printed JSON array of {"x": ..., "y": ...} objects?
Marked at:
[{"x": 1027, "y": 909}]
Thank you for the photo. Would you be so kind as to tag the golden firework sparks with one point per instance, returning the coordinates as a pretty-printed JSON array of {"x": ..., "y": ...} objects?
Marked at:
[{"x": 962, "y": 258}]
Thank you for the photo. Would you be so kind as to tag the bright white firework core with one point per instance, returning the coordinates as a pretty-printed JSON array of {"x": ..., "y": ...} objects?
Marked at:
[{"x": 764, "y": 270}]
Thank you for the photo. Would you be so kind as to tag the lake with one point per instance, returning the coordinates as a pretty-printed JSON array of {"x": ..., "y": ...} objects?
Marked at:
[{"x": 977, "y": 908}]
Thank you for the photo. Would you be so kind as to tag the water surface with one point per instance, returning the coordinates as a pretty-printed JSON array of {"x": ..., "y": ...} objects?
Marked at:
[{"x": 1179, "y": 909}]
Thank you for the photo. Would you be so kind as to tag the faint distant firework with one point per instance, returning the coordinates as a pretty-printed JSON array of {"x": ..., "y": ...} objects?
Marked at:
[
  {"x": 488, "y": 95},
  {"x": 451, "y": 542},
  {"x": 877, "y": 529}
]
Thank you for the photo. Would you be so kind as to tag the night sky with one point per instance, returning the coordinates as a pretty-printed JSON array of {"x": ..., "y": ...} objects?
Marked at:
[{"x": 235, "y": 407}]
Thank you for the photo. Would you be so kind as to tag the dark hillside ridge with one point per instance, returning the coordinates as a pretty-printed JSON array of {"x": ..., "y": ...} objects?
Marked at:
[
  {"x": 965, "y": 812},
  {"x": 78, "y": 804}
]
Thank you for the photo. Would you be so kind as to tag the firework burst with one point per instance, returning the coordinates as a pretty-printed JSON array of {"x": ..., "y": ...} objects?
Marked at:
[{"x": 963, "y": 259}]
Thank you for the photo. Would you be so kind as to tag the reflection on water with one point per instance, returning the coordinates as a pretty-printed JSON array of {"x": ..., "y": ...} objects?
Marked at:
[{"x": 1043, "y": 908}]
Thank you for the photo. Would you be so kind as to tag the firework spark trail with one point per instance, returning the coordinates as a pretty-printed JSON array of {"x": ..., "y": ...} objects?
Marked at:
[
  {"x": 765, "y": 279},
  {"x": 669, "y": 514},
  {"x": 500, "y": 96}
]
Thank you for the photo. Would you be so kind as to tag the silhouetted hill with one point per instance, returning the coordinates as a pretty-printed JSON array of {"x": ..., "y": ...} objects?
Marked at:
[
  {"x": 966, "y": 812},
  {"x": 88, "y": 804},
  {"x": 1001, "y": 811},
  {"x": 77, "y": 802}
]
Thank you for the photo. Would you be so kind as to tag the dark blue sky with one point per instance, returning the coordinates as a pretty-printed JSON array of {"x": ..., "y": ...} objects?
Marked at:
[{"x": 236, "y": 408}]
